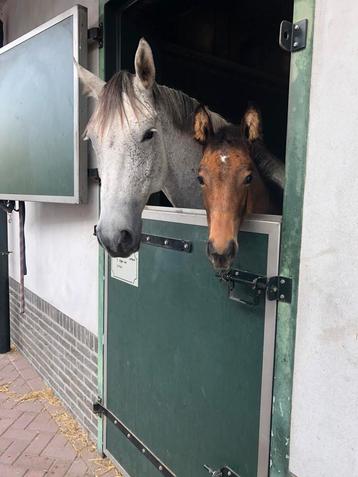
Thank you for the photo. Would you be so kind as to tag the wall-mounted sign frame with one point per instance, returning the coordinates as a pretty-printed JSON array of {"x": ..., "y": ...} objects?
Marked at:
[{"x": 42, "y": 113}]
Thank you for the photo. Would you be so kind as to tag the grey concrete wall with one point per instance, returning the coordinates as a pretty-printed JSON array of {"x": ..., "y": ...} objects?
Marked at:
[{"x": 324, "y": 439}]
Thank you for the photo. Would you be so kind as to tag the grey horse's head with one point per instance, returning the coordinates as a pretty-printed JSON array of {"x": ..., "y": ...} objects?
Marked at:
[{"x": 127, "y": 136}]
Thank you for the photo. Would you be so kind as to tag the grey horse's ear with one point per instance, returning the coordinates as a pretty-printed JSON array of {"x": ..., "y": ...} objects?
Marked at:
[
  {"x": 251, "y": 124},
  {"x": 91, "y": 84},
  {"x": 144, "y": 64},
  {"x": 203, "y": 127}
]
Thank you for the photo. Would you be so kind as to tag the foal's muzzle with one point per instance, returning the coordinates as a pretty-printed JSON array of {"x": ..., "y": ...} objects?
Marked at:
[{"x": 224, "y": 259}]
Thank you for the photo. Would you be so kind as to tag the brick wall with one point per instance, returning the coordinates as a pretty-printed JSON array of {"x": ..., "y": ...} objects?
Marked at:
[{"x": 61, "y": 350}]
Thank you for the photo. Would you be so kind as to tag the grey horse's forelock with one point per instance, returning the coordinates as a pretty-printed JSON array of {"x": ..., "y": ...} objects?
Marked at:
[{"x": 177, "y": 105}]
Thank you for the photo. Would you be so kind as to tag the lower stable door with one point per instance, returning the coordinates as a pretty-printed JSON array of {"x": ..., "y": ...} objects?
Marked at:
[{"x": 189, "y": 369}]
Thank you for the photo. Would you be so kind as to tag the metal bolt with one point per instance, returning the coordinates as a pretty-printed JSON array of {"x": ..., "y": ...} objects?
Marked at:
[
  {"x": 115, "y": 422},
  {"x": 160, "y": 467},
  {"x": 282, "y": 297},
  {"x": 147, "y": 238},
  {"x": 295, "y": 43},
  {"x": 186, "y": 246},
  {"x": 229, "y": 473},
  {"x": 297, "y": 27},
  {"x": 128, "y": 435},
  {"x": 143, "y": 450},
  {"x": 282, "y": 281},
  {"x": 274, "y": 289},
  {"x": 166, "y": 241},
  {"x": 236, "y": 274}
]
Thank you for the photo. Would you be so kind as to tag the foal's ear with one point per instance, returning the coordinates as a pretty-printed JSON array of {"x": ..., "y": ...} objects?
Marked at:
[
  {"x": 203, "y": 127},
  {"x": 251, "y": 124},
  {"x": 91, "y": 84},
  {"x": 144, "y": 64}
]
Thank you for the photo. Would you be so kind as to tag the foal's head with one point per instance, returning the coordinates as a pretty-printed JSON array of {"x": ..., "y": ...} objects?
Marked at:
[{"x": 229, "y": 180}]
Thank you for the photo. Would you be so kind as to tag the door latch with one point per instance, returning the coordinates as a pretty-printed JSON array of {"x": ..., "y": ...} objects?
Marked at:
[
  {"x": 248, "y": 288},
  {"x": 223, "y": 472}
]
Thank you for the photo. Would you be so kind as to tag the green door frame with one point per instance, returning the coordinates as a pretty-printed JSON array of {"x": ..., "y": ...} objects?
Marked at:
[{"x": 297, "y": 134}]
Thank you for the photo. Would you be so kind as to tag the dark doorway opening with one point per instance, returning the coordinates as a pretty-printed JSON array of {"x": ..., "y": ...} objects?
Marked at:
[{"x": 225, "y": 54}]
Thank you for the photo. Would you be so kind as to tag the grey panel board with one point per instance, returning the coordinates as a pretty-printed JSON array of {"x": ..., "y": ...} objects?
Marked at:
[{"x": 39, "y": 115}]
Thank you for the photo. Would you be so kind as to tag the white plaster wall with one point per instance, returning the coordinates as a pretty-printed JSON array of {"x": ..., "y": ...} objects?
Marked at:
[
  {"x": 62, "y": 254},
  {"x": 324, "y": 439}
]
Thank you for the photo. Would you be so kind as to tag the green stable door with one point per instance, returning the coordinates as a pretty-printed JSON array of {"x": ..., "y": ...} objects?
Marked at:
[{"x": 188, "y": 370}]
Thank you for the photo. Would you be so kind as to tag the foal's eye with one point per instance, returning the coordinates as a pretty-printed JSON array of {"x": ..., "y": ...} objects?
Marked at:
[
  {"x": 200, "y": 180},
  {"x": 148, "y": 134},
  {"x": 248, "y": 179}
]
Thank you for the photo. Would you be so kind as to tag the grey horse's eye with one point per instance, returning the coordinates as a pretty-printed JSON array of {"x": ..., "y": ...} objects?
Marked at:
[{"x": 148, "y": 134}]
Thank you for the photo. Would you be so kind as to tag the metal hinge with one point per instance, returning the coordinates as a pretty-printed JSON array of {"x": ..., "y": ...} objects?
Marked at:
[
  {"x": 293, "y": 37},
  {"x": 96, "y": 34},
  {"x": 99, "y": 409},
  {"x": 167, "y": 242},
  {"x": 247, "y": 288}
]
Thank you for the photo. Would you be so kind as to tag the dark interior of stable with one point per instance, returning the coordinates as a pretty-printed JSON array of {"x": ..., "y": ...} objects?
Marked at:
[{"x": 225, "y": 54}]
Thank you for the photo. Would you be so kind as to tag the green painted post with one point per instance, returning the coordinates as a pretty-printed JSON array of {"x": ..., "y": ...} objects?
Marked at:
[
  {"x": 4, "y": 286},
  {"x": 101, "y": 281},
  {"x": 298, "y": 121}
]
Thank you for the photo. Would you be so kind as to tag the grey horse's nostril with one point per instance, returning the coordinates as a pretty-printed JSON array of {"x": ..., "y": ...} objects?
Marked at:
[{"x": 126, "y": 238}]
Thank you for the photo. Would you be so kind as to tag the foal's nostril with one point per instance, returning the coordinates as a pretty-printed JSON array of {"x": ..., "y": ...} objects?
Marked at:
[
  {"x": 126, "y": 238},
  {"x": 210, "y": 250},
  {"x": 231, "y": 250}
]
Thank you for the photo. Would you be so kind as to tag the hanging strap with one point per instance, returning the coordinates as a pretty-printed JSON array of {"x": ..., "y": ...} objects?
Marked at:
[{"x": 23, "y": 268}]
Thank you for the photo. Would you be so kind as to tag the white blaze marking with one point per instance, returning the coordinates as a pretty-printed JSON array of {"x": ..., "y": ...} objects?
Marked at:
[{"x": 223, "y": 158}]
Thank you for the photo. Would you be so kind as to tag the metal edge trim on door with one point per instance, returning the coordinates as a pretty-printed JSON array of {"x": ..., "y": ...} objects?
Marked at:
[
  {"x": 264, "y": 224},
  {"x": 77, "y": 12}
]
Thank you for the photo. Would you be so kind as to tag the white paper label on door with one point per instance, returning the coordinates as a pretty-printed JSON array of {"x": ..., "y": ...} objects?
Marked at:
[{"x": 126, "y": 269}]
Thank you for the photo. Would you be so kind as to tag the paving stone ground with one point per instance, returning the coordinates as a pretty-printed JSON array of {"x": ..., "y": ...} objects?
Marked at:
[{"x": 31, "y": 442}]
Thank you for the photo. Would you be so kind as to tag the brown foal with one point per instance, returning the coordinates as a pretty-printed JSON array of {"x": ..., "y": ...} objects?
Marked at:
[{"x": 231, "y": 184}]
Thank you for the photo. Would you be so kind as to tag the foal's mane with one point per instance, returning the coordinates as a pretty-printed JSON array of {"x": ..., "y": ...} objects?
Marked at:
[{"x": 177, "y": 105}]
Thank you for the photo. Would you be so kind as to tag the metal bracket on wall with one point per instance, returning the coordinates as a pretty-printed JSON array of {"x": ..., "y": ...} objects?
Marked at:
[
  {"x": 101, "y": 410},
  {"x": 293, "y": 37},
  {"x": 96, "y": 34},
  {"x": 5, "y": 254},
  {"x": 7, "y": 205},
  {"x": 94, "y": 176},
  {"x": 165, "y": 242}
]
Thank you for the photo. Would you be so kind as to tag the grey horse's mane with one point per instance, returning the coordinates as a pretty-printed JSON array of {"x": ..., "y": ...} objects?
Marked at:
[{"x": 177, "y": 105}]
